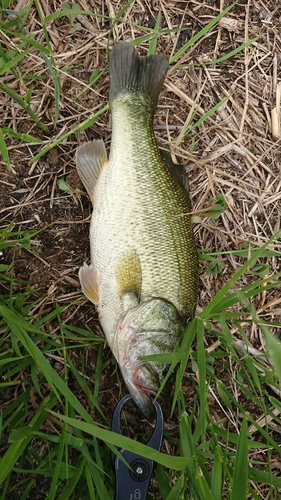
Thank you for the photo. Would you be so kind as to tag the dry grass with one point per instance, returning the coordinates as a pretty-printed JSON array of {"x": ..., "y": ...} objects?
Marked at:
[{"x": 234, "y": 152}]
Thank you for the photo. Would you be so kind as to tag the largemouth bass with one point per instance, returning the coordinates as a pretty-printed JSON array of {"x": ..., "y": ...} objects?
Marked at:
[{"x": 143, "y": 273}]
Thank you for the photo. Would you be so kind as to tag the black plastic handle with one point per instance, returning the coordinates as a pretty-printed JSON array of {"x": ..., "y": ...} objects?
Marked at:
[{"x": 132, "y": 483}]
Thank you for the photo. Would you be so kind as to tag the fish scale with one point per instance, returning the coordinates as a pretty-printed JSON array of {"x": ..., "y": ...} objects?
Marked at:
[{"x": 143, "y": 259}]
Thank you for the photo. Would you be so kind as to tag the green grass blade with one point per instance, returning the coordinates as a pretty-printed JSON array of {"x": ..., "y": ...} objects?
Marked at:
[
  {"x": 29, "y": 39},
  {"x": 182, "y": 355},
  {"x": 232, "y": 53},
  {"x": 223, "y": 291},
  {"x": 203, "y": 488},
  {"x": 153, "y": 41},
  {"x": 49, "y": 373},
  {"x": 14, "y": 61},
  {"x": 58, "y": 464},
  {"x": 187, "y": 447},
  {"x": 50, "y": 63},
  {"x": 162, "y": 481},
  {"x": 177, "y": 490},
  {"x": 16, "y": 449},
  {"x": 274, "y": 350},
  {"x": 206, "y": 115},
  {"x": 217, "y": 474},
  {"x": 4, "y": 150},
  {"x": 78, "y": 128},
  {"x": 202, "y": 421},
  {"x": 18, "y": 135},
  {"x": 25, "y": 106},
  {"x": 121, "y": 441},
  {"x": 90, "y": 483},
  {"x": 201, "y": 33},
  {"x": 240, "y": 475}
]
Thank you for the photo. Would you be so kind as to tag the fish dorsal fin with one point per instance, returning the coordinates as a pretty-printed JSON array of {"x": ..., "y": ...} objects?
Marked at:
[
  {"x": 177, "y": 171},
  {"x": 89, "y": 283},
  {"x": 129, "y": 275},
  {"x": 130, "y": 72},
  {"x": 90, "y": 159}
]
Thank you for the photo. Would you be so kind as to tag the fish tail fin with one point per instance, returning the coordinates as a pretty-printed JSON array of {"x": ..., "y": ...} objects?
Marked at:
[{"x": 130, "y": 72}]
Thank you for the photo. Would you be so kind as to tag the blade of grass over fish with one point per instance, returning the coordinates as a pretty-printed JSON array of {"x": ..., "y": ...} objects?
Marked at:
[
  {"x": 168, "y": 358},
  {"x": 78, "y": 128},
  {"x": 182, "y": 355},
  {"x": 240, "y": 475},
  {"x": 120, "y": 441},
  {"x": 4, "y": 150},
  {"x": 201, "y": 33},
  {"x": 219, "y": 296}
]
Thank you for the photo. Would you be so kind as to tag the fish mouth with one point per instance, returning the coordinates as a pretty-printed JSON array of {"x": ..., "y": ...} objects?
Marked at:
[
  {"x": 143, "y": 385},
  {"x": 142, "y": 398}
]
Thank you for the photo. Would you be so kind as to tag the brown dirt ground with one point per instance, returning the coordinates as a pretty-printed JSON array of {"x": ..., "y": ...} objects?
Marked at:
[{"x": 233, "y": 151}]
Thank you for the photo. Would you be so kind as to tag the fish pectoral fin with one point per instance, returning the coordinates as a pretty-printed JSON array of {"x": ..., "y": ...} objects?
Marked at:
[
  {"x": 90, "y": 159},
  {"x": 129, "y": 275},
  {"x": 89, "y": 283}
]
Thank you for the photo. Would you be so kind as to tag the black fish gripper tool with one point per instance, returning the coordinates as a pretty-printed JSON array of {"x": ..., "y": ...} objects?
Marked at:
[{"x": 132, "y": 483}]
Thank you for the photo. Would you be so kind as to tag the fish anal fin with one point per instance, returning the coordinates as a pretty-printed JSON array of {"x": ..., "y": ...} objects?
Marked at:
[
  {"x": 129, "y": 275},
  {"x": 89, "y": 283},
  {"x": 90, "y": 159}
]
